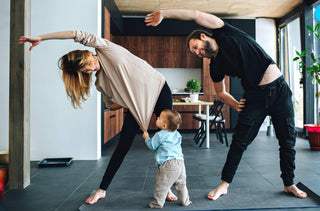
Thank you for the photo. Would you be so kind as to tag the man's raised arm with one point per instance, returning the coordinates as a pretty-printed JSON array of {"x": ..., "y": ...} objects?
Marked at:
[{"x": 201, "y": 18}]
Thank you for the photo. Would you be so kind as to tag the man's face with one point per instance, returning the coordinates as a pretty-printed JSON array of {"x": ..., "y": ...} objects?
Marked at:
[{"x": 201, "y": 48}]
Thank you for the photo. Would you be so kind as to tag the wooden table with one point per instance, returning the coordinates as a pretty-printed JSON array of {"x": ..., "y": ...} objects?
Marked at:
[{"x": 201, "y": 103}]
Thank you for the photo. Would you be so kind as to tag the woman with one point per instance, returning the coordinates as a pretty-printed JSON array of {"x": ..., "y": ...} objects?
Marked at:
[{"x": 124, "y": 81}]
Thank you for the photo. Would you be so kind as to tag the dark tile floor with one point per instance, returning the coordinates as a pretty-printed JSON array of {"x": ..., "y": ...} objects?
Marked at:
[{"x": 257, "y": 183}]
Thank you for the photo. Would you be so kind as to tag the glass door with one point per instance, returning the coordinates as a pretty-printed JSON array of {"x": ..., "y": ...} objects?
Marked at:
[{"x": 290, "y": 42}]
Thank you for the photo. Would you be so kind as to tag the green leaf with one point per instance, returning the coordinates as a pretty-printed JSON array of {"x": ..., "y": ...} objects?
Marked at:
[
  {"x": 303, "y": 53},
  {"x": 296, "y": 58},
  {"x": 310, "y": 28},
  {"x": 317, "y": 27}
]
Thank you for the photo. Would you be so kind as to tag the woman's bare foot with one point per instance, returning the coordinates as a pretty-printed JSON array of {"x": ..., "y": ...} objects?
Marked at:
[
  {"x": 171, "y": 196},
  {"x": 222, "y": 189},
  {"x": 100, "y": 194},
  {"x": 295, "y": 191}
]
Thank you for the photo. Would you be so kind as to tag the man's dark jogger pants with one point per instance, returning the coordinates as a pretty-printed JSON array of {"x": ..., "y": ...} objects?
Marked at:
[{"x": 274, "y": 99}]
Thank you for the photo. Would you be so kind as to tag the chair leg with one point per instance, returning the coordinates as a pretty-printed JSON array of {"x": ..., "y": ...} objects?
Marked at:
[
  {"x": 202, "y": 139},
  {"x": 202, "y": 136},
  {"x": 219, "y": 132},
  {"x": 199, "y": 134},
  {"x": 216, "y": 127}
]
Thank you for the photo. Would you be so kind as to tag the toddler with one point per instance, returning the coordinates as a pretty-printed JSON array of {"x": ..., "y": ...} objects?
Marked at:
[{"x": 169, "y": 158}]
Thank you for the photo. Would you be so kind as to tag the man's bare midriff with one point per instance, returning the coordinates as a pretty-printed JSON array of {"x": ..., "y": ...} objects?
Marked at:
[{"x": 271, "y": 74}]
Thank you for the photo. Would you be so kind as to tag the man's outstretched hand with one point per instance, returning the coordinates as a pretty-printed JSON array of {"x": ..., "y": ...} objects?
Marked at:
[{"x": 154, "y": 19}]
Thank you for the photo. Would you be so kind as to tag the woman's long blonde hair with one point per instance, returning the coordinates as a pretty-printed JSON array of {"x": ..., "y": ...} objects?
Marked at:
[{"x": 77, "y": 83}]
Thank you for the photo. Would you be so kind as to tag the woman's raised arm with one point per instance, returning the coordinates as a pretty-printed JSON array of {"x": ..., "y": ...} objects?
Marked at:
[{"x": 55, "y": 35}]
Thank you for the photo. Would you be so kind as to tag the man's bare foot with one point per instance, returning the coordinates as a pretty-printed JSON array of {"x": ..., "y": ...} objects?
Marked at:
[
  {"x": 222, "y": 189},
  {"x": 171, "y": 196},
  {"x": 100, "y": 194},
  {"x": 295, "y": 191}
]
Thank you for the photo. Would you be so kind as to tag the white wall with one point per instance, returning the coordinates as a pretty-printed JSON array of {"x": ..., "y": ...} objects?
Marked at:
[
  {"x": 56, "y": 129},
  {"x": 4, "y": 74},
  {"x": 266, "y": 35},
  {"x": 177, "y": 78}
]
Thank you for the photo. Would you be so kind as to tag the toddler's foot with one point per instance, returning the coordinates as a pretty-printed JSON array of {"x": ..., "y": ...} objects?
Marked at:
[
  {"x": 222, "y": 189},
  {"x": 100, "y": 194},
  {"x": 171, "y": 196},
  {"x": 295, "y": 191},
  {"x": 187, "y": 204}
]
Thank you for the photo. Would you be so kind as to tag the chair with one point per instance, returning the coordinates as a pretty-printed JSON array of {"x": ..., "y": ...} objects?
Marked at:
[
  {"x": 203, "y": 116},
  {"x": 215, "y": 118}
]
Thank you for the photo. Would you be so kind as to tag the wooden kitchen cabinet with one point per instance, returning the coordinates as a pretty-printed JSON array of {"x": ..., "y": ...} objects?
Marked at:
[
  {"x": 113, "y": 121},
  {"x": 159, "y": 51}
]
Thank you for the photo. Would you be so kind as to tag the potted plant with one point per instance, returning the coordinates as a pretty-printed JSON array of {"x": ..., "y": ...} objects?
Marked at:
[
  {"x": 193, "y": 86},
  {"x": 314, "y": 71}
]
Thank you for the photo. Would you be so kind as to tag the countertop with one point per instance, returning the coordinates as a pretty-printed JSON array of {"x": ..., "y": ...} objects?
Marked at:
[{"x": 185, "y": 93}]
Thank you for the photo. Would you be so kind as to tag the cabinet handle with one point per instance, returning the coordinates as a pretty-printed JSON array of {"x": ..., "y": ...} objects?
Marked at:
[{"x": 112, "y": 116}]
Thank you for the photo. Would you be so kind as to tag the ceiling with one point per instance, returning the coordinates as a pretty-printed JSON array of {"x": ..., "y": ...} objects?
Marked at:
[{"x": 221, "y": 8}]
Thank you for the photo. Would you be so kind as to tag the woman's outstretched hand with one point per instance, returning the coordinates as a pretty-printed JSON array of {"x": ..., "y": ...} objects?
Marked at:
[
  {"x": 33, "y": 40},
  {"x": 154, "y": 19}
]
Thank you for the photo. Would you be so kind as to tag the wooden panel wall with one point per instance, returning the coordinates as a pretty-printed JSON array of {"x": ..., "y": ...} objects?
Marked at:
[{"x": 160, "y": 52}]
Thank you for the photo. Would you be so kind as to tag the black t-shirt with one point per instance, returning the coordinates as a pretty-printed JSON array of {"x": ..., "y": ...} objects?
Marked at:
[{"x": 239, "y": 55}]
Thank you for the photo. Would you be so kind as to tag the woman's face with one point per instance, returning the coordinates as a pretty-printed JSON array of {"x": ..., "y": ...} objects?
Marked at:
[{"x": 92, "y": 64}]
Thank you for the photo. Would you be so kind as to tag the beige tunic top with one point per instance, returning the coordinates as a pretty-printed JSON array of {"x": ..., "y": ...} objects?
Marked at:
[{"x": 124, "y": 78}]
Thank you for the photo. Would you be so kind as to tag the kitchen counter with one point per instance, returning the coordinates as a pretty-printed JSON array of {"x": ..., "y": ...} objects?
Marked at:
[{"x": 184, "y": 93}]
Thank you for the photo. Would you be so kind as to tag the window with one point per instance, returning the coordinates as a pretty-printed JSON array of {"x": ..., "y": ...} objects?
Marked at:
[
  {"x": 290, "y": 42},
  {"x": 316, "y": 49}
]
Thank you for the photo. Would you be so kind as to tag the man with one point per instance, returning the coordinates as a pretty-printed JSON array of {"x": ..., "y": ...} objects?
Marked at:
[{"x": 236, "y": 54}]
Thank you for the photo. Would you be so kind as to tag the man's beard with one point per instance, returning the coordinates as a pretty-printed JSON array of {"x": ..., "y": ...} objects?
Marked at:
[{"x": 209, "y": 52}]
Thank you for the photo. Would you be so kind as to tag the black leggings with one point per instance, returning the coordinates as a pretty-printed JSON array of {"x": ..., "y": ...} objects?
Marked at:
[{"x": 129, "y": 130}]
